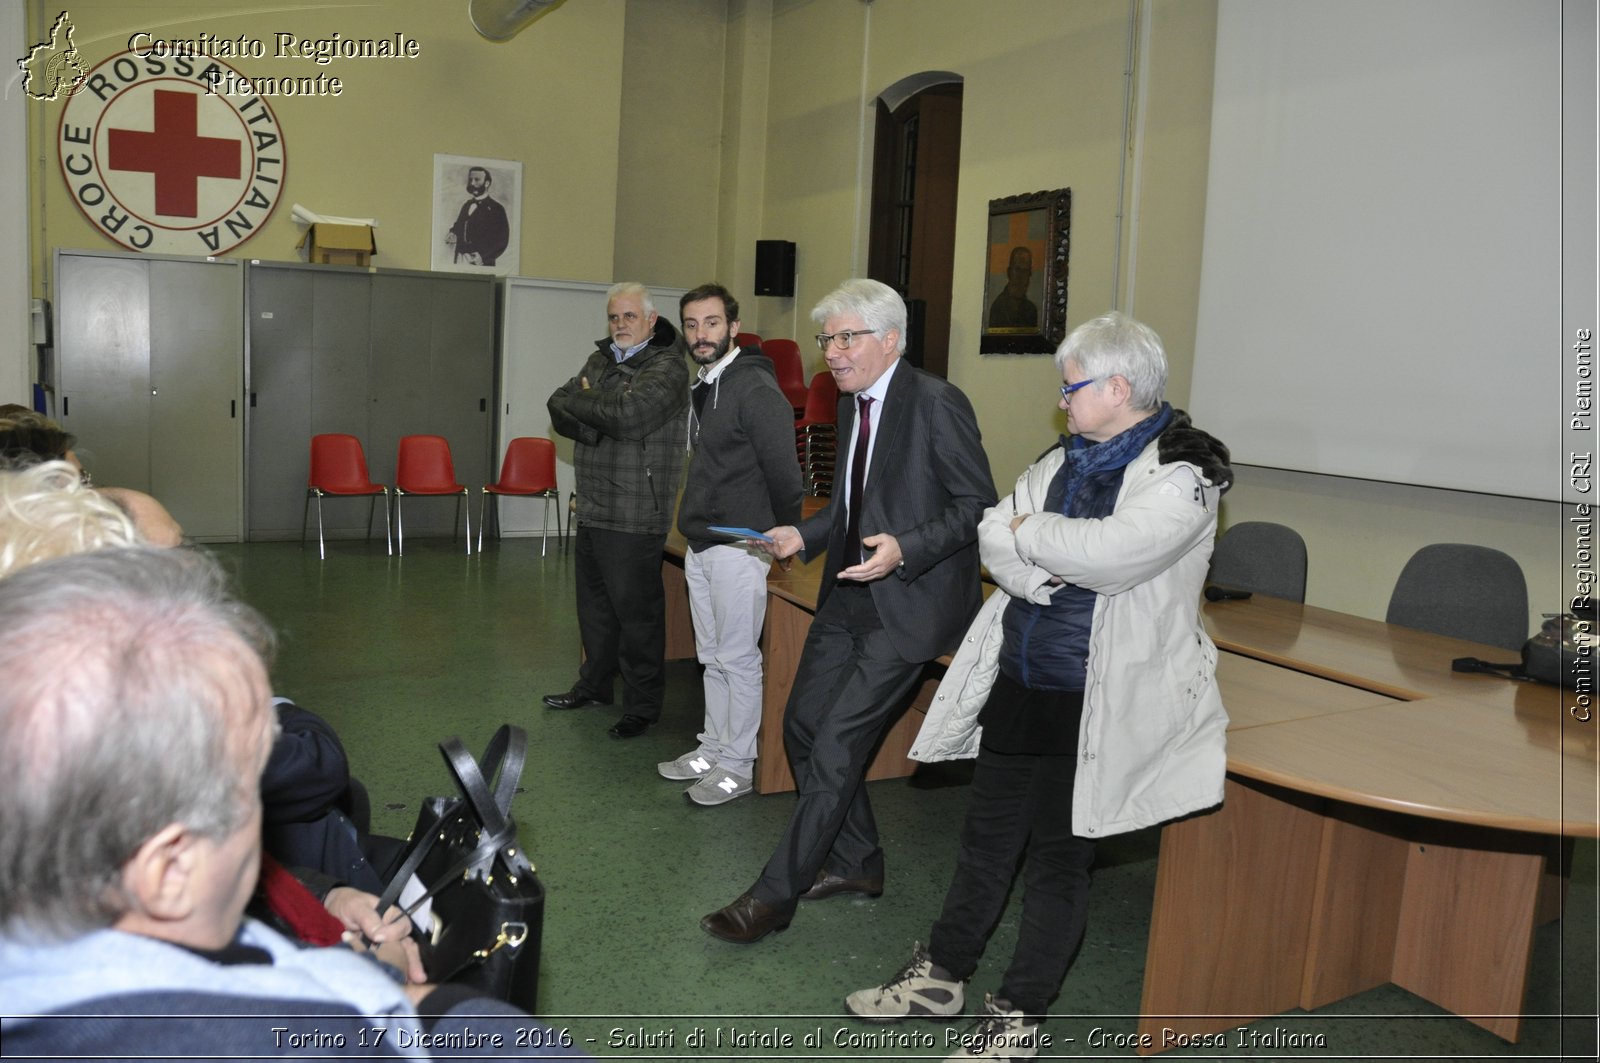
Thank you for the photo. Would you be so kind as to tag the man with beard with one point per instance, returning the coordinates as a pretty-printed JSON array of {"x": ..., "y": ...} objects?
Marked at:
[
  {"x": 624, "y": 412},
  {"x": 743, "y": 473},
  {"x": 481, "y": 231}
]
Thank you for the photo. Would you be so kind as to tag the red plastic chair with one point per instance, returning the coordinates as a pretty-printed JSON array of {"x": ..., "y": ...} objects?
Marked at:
[
  {"x": 746, "y": 339},
  {"x": 785, "y": 355},
  {"x": 815, "y": 444},
  {"x": 529, "y": 471},
  {"x": 424, "y": 468},
  {"x": 339, "y": 469}
]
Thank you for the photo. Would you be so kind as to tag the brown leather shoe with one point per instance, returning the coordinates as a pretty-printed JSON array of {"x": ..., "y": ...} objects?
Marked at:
[
  {"x": 745, "y": 921},
  {"x": 830, "y": 885}
]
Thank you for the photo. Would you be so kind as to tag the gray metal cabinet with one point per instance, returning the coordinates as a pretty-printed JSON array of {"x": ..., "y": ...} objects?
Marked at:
[
  {"x": 378, "y": 355},
  {"x": 150, "y": 352}
]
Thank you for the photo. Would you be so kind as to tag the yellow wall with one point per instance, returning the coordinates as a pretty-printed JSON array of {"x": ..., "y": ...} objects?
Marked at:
[
  {"x": 661, "y": 138},
  {"x": 669, "y": 152},
  {"x": 550, "y": 98},
  {"x": 1043, "y": 106}
]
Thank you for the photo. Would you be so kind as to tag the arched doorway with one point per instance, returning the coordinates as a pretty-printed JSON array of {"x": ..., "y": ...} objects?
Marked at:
[{"x": 916, "y": 165}]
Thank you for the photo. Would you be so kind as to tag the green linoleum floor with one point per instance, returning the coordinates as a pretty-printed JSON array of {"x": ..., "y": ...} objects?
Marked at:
[{"x": 399, "y": 653}]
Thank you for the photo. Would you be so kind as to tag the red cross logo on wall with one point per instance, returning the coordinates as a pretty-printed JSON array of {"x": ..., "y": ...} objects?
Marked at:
[{"x": 175, "y": 153}]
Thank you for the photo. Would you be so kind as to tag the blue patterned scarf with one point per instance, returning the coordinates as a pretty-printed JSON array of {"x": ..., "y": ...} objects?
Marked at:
[{"x": 1086, "y": 485}]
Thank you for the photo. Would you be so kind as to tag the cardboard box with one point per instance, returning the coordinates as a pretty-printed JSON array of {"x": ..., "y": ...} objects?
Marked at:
[{"x": 339, "y": 245}]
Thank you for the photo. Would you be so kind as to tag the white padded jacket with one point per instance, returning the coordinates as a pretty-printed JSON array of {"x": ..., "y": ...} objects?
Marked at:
[{"x": 1151, "y": 744}]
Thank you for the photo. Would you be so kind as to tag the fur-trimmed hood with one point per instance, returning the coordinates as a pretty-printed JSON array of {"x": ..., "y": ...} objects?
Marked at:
[{"x": 1182, "y": 441}]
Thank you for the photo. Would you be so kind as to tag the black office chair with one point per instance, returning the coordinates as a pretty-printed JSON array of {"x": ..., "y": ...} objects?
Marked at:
[
  {"x": 1263, "y": 557},
  {"x": 1464, "y": 591}
]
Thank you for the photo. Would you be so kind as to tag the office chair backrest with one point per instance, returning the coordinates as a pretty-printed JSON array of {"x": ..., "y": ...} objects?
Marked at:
[
  {"x": 1464, "y": 591},
  {"x": 785, "y": 355},
  {"x": 424, "y": 466},
  {"x": 1259, "y": 556},
  {"x": 529, "y": 466},
  {"x": 747, "y": 339},
  {"x": 338, "y": 465}
]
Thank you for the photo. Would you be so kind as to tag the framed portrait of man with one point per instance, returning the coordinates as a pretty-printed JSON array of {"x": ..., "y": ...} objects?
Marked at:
[
  {"x": 477, "y": 215},
  {"x": 1025, "y": 273}
]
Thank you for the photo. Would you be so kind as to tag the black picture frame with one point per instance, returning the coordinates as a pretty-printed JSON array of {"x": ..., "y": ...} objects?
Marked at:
[{"x": 1034, "y": 319}]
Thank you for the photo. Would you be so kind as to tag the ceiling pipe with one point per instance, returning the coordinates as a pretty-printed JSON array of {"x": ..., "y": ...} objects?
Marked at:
[{"x": 501, "y": 20}]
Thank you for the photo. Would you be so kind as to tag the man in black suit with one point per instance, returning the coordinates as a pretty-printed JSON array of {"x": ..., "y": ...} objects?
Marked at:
[
  {"x": 899, "y": 589},
  {"x": 482, "y": 230}
]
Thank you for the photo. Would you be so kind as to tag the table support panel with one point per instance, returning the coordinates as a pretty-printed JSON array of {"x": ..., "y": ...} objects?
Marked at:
[{"x": 1281, "y": 900}]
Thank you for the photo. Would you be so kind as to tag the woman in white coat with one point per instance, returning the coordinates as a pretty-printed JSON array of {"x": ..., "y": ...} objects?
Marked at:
[{"x": 1085, "y": 687}]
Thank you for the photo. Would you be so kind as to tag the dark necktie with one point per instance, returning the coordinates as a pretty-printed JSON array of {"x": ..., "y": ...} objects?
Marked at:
[{"x": 858, "y": 481}]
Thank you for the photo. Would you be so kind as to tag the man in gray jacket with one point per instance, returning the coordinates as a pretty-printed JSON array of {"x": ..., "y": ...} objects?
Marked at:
[
  {"x": 625, "y": 413},
  {"x": 743, "y": 473}
]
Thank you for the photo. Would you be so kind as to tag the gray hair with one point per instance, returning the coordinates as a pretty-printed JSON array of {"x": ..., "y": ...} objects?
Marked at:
[
  {"x": 47, "y": 511},
  {"x": 874, "y": 302},
  {"x": 1115, "y": 344},
  {"x": 632, "y": 288},
  {"x": 119, "y": 716}
]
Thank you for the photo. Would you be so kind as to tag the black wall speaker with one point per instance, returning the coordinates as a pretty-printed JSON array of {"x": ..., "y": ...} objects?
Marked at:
[{"x": 775, "y": 267}]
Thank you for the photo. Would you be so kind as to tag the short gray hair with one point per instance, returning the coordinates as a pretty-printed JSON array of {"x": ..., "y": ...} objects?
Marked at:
[
  {"x": 632, "y": 288},
  {"x": 1115, "y": 344},
  {"x": 47, "y": 511},
  {"x": 116, "y": 720},
  {"x": 874, "y": 302}
]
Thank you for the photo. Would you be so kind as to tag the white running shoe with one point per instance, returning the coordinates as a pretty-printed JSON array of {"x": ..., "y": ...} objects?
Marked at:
[
  {"x": 1000, "y": 1034},
  {"x": 916, "y": 992},
  {"x": 692, "y": 765},
  {"x": 718, "y": 787}
]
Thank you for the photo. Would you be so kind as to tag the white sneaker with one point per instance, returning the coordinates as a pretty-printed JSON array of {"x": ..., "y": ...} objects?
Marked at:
[
  {"x": 692, "y": 765},
  {"x": 916, "y": 992},
  {"x": 1000, "y": 1033},
  {"x": 718, "y": 787}
]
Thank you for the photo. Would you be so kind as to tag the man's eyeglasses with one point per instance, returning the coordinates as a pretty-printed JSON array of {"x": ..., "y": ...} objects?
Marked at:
[
  {"x": 1068, "y": 389},
  {"x": 842, "y": 340}
]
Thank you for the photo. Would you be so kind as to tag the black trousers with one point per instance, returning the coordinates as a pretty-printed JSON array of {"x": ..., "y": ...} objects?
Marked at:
[
  {"x": 622, "y": 617},
  {"x": 1020, "y": 803},
  {"x": 850, "y": 686}
]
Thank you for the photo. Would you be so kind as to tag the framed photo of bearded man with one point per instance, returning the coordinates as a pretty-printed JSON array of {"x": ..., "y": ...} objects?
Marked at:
[{"x": 477, "y": 215}]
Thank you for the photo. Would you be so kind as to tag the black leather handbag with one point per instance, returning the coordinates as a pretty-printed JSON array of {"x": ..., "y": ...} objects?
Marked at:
[{"x": 487, "y": 903}]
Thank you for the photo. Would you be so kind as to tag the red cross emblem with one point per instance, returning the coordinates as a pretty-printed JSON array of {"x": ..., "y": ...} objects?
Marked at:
[
  {"x": 175, "y": 152},
  {"x": 158, "y": 163}
]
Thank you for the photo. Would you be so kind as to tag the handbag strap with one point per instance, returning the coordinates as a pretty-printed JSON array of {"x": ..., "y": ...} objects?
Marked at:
[
  {"x": 503, "y": 760},
  {"x": 489, "y": 846},
  {"x": 506, "y": 754}
]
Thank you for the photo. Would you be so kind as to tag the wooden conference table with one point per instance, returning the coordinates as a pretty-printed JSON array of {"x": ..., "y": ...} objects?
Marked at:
[{"x": 1385, "y": 820}]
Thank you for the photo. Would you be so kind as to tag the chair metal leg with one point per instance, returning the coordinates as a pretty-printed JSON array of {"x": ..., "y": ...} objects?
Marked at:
[
  {"x": 400, "y": 521},
  {"x": 544, "y": 528},
  {"x": 467, "y": 507},
  {"x": 483, "y": 503},
  {"x": 388, "y": 537},
  {"x": 322, "y": 548}
]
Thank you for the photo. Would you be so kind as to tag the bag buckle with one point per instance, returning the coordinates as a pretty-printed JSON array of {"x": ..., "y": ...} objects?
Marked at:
[{"x": 513, "y": 934}]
